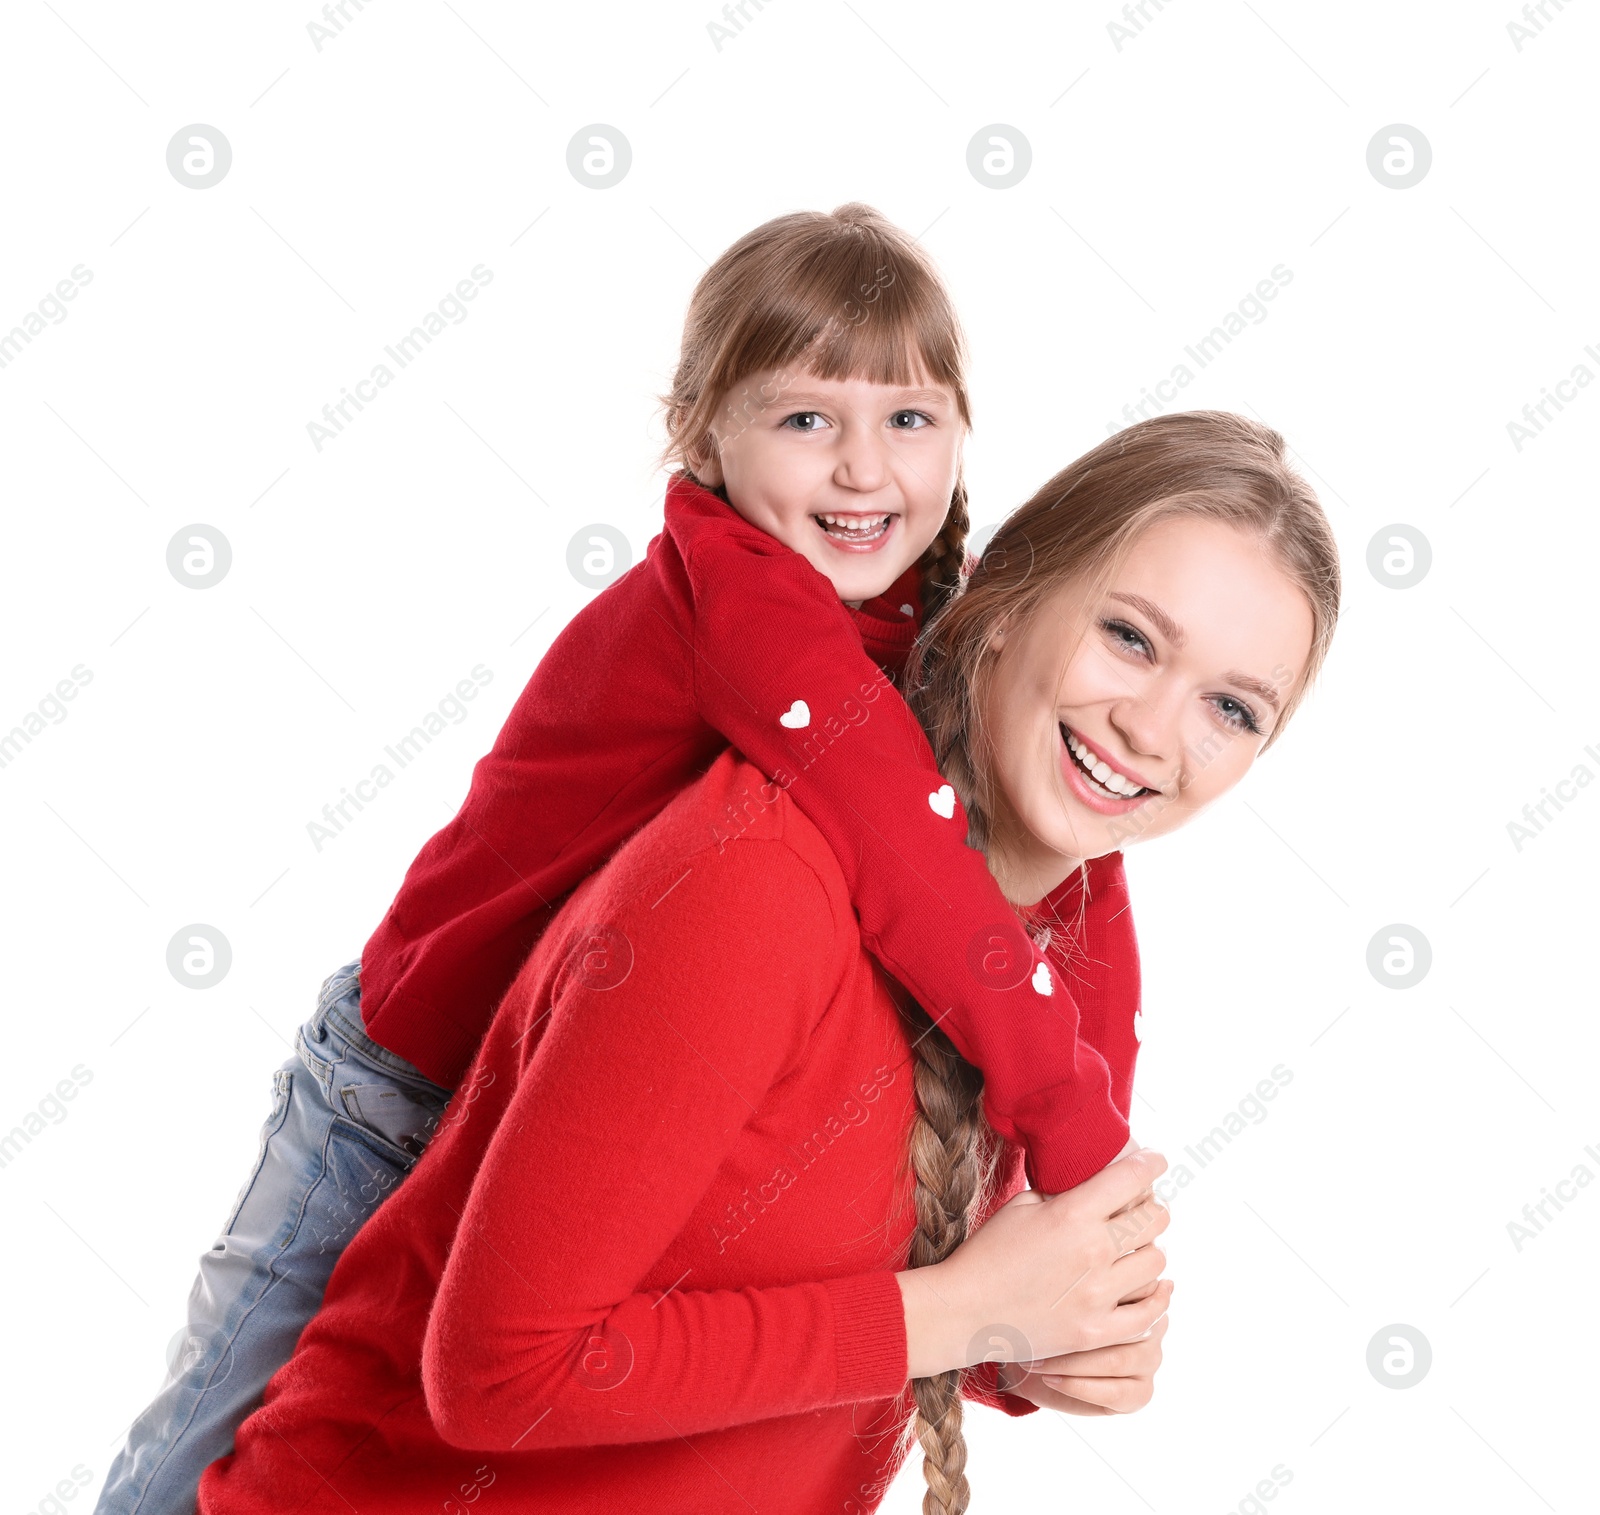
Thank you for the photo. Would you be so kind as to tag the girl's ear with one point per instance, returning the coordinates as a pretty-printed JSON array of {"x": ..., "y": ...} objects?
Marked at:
[
  {"x": 996, "y": 639},
  {"x": 705, "y": 462}
]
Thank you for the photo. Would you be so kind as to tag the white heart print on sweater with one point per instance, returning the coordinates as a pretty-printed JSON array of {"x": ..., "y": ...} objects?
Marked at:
[
  {"x": 796, "y": 717},
  {"x": 943, "y": 801},
  {"x": 1042, "y": 983},
  {"x": 907, "y": 610},
  {"x": 1138, "y": 1025}
]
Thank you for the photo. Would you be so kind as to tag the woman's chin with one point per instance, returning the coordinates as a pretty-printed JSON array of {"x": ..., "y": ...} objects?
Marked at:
[{"x": 1080, "y": 833}]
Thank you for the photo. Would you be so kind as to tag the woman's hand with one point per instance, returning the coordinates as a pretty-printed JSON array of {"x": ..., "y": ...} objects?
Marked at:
[
  {"x": 1104, "y": 1381},
  {"x": 1045, "y": 1276}
]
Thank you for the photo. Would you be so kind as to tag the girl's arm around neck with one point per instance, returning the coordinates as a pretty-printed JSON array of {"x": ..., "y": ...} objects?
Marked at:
[{"x": 780, "y": 671}]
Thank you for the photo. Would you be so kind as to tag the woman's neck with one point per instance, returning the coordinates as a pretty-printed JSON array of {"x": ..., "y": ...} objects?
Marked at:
[{"x": 1025, "y": 869}]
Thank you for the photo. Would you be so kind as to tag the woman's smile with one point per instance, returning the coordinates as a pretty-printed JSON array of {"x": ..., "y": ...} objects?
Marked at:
[{"x": 1100, "y": 784}]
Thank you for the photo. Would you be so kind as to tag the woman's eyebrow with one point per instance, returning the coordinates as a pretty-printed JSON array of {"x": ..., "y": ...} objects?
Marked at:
[
  {"x": 1255, "y": 686},
  {"x": 1175, "y": 634},
  {"x": 1163, "y": 622}
]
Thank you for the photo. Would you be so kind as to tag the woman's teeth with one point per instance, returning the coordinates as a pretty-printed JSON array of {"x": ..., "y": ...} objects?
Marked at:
[
  {"x": 1099, "y": 772},
  {"x": 854, "y": 528}
]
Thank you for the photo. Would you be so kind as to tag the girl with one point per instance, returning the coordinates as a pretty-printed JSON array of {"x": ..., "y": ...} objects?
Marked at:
[
  {"x": 670, "y": 1257},
  {"x": 818, "y": 408}
]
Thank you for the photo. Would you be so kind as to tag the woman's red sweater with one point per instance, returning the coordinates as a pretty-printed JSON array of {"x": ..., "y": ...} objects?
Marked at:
[
  {"x": 647, "y": 1262},
  {"x": 721, "y": 637}
]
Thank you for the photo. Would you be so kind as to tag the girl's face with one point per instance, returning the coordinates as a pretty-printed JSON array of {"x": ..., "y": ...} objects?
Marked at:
[
  {"x": 856, "y": 477},
  {"x": 1121, "y": 719}
]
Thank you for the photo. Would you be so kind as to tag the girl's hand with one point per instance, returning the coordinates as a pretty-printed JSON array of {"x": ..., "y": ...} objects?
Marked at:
[
  {"x": 1045, "y": 1276},
  {"x": 1103, "y": 1381}
]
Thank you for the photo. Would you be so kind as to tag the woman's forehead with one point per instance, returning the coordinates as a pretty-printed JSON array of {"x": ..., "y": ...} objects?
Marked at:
[{"x": 1210, "y": 589}]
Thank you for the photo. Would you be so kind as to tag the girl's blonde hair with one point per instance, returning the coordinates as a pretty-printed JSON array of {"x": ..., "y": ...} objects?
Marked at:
[
  {"x": 840, "y": 295},
  {"x": 1076, "y": 528}
]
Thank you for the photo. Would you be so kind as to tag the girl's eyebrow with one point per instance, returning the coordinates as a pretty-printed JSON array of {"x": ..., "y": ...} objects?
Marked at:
[
  {"x": 909, "y": 396},
  {"x": 802, "y": 397}
]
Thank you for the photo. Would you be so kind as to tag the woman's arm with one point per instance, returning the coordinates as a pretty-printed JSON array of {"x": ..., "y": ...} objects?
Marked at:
[
  {"x": 540, "y": 1335},
  {"x": 1055, "y": 1268}
]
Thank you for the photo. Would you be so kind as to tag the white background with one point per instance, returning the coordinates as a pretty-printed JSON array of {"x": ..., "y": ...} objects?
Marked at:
[{"x": 1168, "y": 176}]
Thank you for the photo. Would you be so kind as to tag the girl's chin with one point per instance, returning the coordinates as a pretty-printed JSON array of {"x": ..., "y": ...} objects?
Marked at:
[{"x": 857, "y": 580}]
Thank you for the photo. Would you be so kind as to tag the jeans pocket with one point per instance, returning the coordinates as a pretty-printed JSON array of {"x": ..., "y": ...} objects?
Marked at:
[
  {"x": 282, "y": 1087},
  {"x": 402, "y": 1117}
]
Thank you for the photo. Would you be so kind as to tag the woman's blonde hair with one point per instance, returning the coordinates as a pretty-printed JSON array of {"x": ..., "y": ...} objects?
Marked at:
[
  {"x": 1075, "y": 529},
  {"x": 844, "y": 294},
  {"x": 1079, "y": 526},
  {"x": 952, "y": 1157}
]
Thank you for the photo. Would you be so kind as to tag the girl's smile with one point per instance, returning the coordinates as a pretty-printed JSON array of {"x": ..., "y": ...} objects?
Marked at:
[{"x": 857, "y": 533}]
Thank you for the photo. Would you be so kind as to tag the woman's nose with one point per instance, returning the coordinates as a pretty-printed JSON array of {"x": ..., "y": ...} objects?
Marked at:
[{"x": 1148, "y": 725}]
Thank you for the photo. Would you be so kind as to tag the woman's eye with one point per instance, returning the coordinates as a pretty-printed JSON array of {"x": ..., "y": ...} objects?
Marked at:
[
  {"x": 1128, "y": 638},
  {"x": 909, "y": 420},
  {"x": 804, "y": 420},
  {"x": 1237, "y": 714}
]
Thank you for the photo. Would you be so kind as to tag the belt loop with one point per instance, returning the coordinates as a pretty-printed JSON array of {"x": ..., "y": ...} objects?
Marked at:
[{"x": 335, "y": 987}]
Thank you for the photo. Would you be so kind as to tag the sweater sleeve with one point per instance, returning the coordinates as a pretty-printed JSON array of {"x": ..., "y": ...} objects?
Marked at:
[
  {"x": 981, "y": 1384},
  {"x": 781, "y": 673},
  {"x": 1096, "y": 951},
  {"x": 619, "y": 1122},
  {"x": 597, "y": 743}
]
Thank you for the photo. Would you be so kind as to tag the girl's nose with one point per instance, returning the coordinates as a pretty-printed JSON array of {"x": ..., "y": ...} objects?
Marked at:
[{"x": 862, "y": 463}]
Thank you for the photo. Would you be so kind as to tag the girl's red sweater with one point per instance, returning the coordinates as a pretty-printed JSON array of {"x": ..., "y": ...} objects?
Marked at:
[
  {"x": 647, "y": 1262},
  {"x": 722, "y": 635}
]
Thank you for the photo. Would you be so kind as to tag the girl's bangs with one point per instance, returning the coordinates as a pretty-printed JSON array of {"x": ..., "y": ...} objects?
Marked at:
[{"x": 873, "y": 321}]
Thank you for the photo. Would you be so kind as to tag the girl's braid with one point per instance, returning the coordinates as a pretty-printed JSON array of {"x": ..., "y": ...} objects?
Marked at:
[{"x": 942, "y": 562}]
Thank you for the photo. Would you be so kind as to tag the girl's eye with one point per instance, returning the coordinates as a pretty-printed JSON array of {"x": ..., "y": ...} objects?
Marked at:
[
  {"x": 909, "y": 420},
  {"x": 804, "y": 420},
  {"x": 1236, "y": 714},
  {"x": 1127, "y": 638}
]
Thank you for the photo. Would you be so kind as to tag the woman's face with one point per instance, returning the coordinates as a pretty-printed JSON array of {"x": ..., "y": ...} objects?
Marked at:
[{"x": 1120, "y": 719}]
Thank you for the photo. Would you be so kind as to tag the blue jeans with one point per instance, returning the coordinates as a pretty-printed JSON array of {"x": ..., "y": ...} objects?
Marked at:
[{"x": 348, "y": 1121}]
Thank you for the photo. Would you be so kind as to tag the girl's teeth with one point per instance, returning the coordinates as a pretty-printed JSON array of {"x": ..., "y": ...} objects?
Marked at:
[{"x": 855, "y": 523}]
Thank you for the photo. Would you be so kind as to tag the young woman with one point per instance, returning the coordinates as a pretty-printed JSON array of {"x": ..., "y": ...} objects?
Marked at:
[{"x": 711, "y": 1193}]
